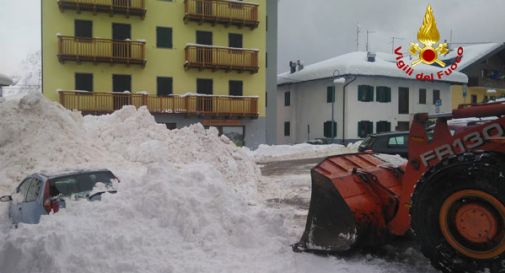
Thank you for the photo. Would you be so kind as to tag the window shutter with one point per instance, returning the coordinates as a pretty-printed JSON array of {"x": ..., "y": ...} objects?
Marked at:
[
  {"x": 287, "y": 128},
  {"x": 287, "y": 98},
  {"x": 365, "y": 93},
  {"x": 383, "y": 126},
  {"x": 330, "y": 129},
  {"x": 330, "y": 94},
  {"x": 365, "y": 128}
]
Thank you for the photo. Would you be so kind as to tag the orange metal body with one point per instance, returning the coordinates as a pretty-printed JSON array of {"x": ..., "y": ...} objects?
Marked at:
[{"x": 377, "y": 196}]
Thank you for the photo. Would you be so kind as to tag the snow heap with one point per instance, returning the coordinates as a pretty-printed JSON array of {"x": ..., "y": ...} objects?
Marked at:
[{"x": 186, "y": 202}]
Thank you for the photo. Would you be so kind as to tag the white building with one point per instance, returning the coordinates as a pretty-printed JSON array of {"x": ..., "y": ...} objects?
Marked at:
[
  {"x": 4, "y": 81},
  {"x": 371, "y": 95}
]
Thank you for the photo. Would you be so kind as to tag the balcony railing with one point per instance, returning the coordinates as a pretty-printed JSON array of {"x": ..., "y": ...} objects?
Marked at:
[
  {"x": 209, "y": 57},
  {"x": 211, "y": 106},
  {"x": 127, "y": 7},
  {"x": 222, "y": 11},
  {"x": 100, "y": 50}
]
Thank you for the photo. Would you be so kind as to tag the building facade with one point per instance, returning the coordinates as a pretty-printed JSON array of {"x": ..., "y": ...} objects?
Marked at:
[
  {"x": 484, "y": 64},
  {"x": 349, "y": 97},
  {"x": 188, "y": 61}
]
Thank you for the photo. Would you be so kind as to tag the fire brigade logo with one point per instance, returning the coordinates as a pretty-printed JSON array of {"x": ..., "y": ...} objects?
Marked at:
[
  {"x": 429, "y": 52},
  {"x": 429, "y": 36}
]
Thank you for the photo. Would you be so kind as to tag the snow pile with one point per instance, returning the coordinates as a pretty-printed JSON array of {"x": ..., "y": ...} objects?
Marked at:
[
  {"x": 267, "y": 153},
  {"x": 185, "y": 202}
]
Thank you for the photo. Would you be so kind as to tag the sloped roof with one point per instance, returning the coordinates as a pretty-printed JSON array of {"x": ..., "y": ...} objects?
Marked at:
[
  {"x": 4, "y": 80},
  {"x": 474, "y": 53},
  {"x": 355, "y": 63}
]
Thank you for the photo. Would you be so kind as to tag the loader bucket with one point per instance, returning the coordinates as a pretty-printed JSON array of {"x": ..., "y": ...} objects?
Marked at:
[{"x": 353, "y": 197}]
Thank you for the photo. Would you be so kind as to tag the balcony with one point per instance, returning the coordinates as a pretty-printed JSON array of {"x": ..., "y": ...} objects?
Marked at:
[
  {"x": 100, "y": 50},
  {"x": 223, "y": 58},
  {"x": 221, "y": 11},
  {"x": 126, "y": 7},
  {"x": 190, "y": 105}
]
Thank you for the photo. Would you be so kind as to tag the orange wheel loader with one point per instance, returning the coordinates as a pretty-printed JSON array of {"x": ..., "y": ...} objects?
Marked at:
[{"x": 450, "y": 193}]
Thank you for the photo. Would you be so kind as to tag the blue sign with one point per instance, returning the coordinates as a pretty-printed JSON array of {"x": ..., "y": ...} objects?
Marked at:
[{"x": 438, "y": 103}]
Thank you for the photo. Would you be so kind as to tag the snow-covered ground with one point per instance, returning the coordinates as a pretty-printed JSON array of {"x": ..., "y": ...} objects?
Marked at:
[{"x": 188, "y": 201}]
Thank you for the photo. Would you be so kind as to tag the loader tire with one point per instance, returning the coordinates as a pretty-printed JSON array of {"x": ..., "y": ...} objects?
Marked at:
[{"x": 458, "y": 213}]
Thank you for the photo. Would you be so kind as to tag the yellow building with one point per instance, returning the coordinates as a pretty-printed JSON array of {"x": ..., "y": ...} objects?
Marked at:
[
  {"x": 484, "y": 64},
  {"x": 188, "y": 61}
]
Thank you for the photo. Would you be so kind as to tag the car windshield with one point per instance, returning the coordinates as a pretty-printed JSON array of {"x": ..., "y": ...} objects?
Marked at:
[
  {"x": 368, "y": 141},
  {"x": 79, "y": 183}
]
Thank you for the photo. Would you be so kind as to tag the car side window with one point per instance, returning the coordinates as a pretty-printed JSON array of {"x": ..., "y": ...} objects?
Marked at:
[
  {"x": 396, "y": 141},
  {"x": 23, "y": 187},
  {"x": 33, "y": 191}
]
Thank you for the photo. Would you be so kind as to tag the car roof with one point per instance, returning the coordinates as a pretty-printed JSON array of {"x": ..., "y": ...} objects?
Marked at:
[
  {"x": 394, "y": 133},
  {"x": 51, "y": 175}
]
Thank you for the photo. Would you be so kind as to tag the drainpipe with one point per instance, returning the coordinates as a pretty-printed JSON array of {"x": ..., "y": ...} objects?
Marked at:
[{"x": 343, "y": 108}]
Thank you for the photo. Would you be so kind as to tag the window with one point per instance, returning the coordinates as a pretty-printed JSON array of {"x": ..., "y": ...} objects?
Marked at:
[
  {"x": 287, "y": 128},
  {"x": 397, "y": 141},
  {"x": 383, "y": 126},
  {"x": 330, "y": 94},
  {"x": 365, "y": 128},
  {"x": 330, "y": 129},
  {"x": 84, "y": 81},
  {"x": 234, "y": 133},
  {"x": 33, "y": 191},
  {"x": 436, "y": 96},
  {"x": 403, "y": 126},
  {"x": 365, "y": 93},
  {"x": 403, "y": 100},
  {"x": 121, "y": 83},
  {"x": 287, "y": 98},
  {"x": 474, "y": 99},
  {"x": 473, "y": 81},
  {"x": 171, "y": 125},
  {"x": 204, "y": 86},
  {"x": 204, "y": 37},
  {"x": 236, "y": 88},
  {"x": 83, "y": 29},
  {"x": 422, "y": 96},
  {"x": 163, "y": 37},
  {"x": 383, "y": 94},
  {"x": 23, "y": 188},
  {"x": 164, "y": 86},
  {"x": 235, "y": 40}
]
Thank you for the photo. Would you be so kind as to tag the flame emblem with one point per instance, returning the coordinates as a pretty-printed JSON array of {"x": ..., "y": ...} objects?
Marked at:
[{"x": 429, "y": 36}]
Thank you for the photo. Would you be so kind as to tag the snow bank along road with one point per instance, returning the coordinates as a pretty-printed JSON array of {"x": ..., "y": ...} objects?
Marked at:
[{"x": 188, "y": 201}]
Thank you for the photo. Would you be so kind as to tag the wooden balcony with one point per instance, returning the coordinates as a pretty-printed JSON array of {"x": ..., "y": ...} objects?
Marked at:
[
  {"x": 221, "y": 11},
  {"x": 100, "y": 50},
  {"x": 190, "y": 105},
  {"x": 223, "y": 58},
  {"x": 126, "y": 7}
]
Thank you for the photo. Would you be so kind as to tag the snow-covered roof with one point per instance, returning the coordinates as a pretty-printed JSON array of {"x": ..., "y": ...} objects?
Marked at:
[
  {"x": 356, "y": 63},
  {"x": 474, "y": 53},
  {"x": 4, "y": 80}
]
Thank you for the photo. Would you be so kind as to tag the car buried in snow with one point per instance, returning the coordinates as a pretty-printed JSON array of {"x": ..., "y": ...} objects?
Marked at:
[{"x": 42, "y": 193}]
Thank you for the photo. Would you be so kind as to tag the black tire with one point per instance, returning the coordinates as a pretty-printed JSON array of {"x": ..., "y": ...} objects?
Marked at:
[{"x": 479, "y": 172}]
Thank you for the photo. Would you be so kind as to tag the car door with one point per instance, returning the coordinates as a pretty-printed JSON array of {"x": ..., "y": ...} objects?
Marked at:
[
  {"x": 17, "y": 200},
  {"x": 32, "y": 207}
]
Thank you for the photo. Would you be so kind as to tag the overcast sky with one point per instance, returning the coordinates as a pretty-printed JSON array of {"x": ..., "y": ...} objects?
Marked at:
[{"x": 309, "y": 30}]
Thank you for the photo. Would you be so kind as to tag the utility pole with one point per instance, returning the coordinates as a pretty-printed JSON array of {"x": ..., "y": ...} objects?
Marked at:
[
  {"x": 368, "y": 32},
  {"x": 395, "y": 38}
]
